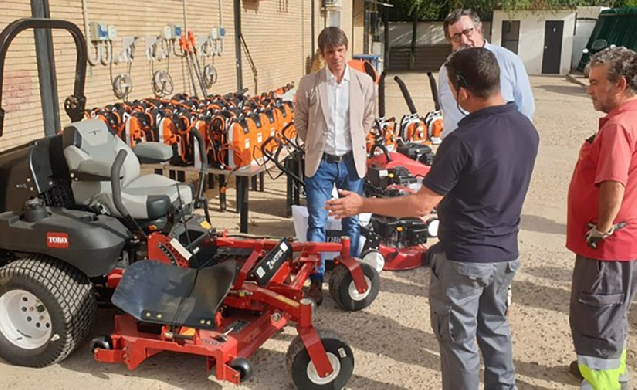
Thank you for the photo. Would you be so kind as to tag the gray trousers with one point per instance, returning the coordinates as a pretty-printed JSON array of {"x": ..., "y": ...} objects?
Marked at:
[
  {"x": 601, "y": 294},
  {"x": 469, "y": 301}
]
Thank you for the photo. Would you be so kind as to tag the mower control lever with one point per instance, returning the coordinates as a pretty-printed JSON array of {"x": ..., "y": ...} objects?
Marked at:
[
  {"x": 223, "y": 337},
  {"x": 201, "y": 201},
  {"x": 116, "y": 191},
  {"x": 116, "y": 187}
]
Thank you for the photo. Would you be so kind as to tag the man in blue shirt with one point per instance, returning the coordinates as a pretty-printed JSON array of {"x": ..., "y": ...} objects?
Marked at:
[
  {"x": 479, "y": 182},
  {"x": 463, "y": 28}
]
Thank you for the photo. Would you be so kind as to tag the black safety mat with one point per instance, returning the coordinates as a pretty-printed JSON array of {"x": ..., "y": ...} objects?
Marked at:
[{"x": 157, "y": 292}]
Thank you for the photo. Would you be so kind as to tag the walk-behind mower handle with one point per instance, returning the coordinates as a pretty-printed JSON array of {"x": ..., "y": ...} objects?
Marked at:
[
  {"x": 381, "y": 95},
  {"x": 201, "y": 201},
  {"x": 274, "y": 157},
  {"x": 383, "y": 148},
  {"x": 289, "y": 140},
  {"x": 434, "y": 90},
  {"x": 74, "y": 104},
  {"x": 265, "y": 144},
  {"x": 406, "y": 95}
]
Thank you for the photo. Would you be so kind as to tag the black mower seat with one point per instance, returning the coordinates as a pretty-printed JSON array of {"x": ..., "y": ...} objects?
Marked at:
[{"x": 156, "y": 292}]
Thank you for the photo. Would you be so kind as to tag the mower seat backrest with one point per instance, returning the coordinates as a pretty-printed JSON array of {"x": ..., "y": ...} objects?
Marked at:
[
  {"x": 90, "y": 150},
  {"x": 91, "y": 141}
]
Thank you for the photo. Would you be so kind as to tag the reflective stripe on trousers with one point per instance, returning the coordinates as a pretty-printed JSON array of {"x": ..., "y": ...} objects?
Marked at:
[{"x": 602, "y": 374}]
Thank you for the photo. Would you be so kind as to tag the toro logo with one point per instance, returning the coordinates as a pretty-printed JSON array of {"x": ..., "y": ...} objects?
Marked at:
[{"x": 57, "y": 240}]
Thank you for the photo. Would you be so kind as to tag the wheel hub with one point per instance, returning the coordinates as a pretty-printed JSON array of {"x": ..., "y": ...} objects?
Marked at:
[
  {"x": 24, "y": 320},
  {"x": 353, "y": 291},
  {"x": 314, "y": 376},
  {"x": 375, "y": 260}
]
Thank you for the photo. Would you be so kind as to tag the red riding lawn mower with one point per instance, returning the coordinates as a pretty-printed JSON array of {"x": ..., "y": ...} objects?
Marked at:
[{"x": 80, "y": 226}]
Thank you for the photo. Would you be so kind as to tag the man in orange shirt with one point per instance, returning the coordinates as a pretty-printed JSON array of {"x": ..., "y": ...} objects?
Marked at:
[{"x": 602, "y": 224}]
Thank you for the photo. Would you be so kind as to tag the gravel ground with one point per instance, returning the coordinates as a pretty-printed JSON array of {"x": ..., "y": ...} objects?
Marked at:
[{"x": 392, "y": 340}]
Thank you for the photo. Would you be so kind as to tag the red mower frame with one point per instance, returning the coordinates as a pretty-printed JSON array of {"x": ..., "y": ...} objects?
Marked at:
[{"x": 280, "y": 302}]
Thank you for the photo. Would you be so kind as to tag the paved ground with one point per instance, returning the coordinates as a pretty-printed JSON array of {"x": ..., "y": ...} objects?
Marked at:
[{"x": 392, "y": 340}]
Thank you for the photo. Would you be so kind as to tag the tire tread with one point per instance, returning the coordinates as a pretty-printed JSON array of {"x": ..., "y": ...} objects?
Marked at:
[{"x": 69, "y": 287}]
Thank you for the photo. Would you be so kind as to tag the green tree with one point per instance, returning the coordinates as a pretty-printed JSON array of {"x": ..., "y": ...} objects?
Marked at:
[{"x": 409, "y": 10}]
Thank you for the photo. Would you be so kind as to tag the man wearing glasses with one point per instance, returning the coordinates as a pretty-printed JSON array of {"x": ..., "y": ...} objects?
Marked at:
[{"x": 463, "y": 28}]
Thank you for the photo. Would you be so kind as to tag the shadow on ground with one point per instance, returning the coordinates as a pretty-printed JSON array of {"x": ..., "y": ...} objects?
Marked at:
[{"x": 541, "y": 225}]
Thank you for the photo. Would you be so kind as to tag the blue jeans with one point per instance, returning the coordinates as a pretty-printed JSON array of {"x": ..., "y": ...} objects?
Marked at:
[{"x": 318, "y": 190}]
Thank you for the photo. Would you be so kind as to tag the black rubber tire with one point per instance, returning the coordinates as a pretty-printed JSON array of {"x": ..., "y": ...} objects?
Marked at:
[
  {"x": 243, "y": 366},
  {"x": 67, "y": 295},
  {"x": 339, "y": 282},
  {"x": 297, "y": 361}
]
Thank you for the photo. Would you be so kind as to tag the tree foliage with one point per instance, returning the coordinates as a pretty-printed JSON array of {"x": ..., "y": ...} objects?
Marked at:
[{"x": 409, "y": 10}]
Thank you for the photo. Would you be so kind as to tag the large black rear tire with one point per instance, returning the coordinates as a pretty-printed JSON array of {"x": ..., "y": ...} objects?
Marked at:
[{"x": 47, "y": 308}]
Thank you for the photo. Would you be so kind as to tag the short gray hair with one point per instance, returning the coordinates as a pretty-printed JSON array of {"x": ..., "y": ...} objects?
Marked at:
[
  {"x": 621, "y": 62},
  {"x": 455, "y": 15}
]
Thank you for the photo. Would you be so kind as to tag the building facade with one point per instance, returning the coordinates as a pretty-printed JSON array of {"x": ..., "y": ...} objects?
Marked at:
[{"x": 278, "y": 40}]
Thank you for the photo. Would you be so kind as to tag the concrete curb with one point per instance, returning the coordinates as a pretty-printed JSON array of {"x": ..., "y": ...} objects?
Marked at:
[{"x": 575, "y": 80}]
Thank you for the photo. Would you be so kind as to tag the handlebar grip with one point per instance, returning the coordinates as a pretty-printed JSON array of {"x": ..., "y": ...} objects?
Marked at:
[
  {"x": 434, "y": 90},
  {"x": 381, "y": 95},
  {"x": 406, "y": 95}
]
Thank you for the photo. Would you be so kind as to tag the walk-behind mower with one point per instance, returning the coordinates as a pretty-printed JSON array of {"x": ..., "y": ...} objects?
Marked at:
[
  {"x": 414, "y": 128},
  {"x": 391, "y": 244},
  {"x": 390, "y": 148},
  {"x": 79, "y": 225}
]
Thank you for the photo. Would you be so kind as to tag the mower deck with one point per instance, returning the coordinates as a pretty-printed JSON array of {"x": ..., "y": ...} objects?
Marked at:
[
  {"x": 403, "y": 259},
  {"x": 238, "y": 335},
  {"x": 257, "y": 306}
]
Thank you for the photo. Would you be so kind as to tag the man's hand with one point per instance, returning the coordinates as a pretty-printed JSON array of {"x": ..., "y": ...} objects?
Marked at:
[
  {"x": 348, "y": 205},
  {"x": 594, "y": 236}
]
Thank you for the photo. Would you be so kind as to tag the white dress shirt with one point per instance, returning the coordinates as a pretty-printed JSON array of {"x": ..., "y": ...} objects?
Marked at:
[{"x": 339, "y": 138}]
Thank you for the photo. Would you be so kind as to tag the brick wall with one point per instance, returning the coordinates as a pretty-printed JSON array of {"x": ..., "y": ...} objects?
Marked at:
[{"x": 277, "y": 33}]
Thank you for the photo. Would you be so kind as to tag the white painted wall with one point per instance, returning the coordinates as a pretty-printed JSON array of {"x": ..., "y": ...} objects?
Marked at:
[
  {"x": 531, "y": 44},
  {"x": 589, "y": 12},
  {"x": 582, "y": 35},
  {"x": 584, "y": 25}
]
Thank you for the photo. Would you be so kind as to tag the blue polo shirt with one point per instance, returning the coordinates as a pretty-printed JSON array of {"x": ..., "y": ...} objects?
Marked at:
[{"x": 483, "y": 170}]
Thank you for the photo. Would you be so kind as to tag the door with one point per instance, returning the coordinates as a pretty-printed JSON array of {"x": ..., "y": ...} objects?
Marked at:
[
  {"x": 511, "y": 34},
  {"x": 551, "y": 59}
]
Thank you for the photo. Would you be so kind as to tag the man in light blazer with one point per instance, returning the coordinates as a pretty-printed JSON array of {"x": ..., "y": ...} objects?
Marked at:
[{"x": 334, "y": 111}]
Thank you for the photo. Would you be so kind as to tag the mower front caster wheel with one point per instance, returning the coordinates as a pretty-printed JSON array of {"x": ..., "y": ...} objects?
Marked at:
[
  {"x": 101, "y": 342},
  {"x": 243, "y": 366},
  {"x": 304, "y": 373},
  {"x": 344, "y": 291}
]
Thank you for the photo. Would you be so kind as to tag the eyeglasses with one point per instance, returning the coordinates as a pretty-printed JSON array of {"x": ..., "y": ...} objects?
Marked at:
[{"x": 467, "y": 33}]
